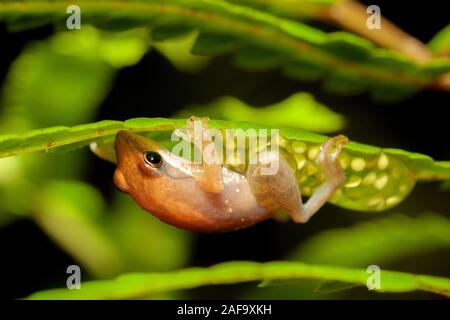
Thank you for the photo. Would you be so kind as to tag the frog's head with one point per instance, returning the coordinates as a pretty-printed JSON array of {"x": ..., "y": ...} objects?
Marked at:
[
  {"x": 151, "y": 175},
  {"x": 137, "y": 158}
]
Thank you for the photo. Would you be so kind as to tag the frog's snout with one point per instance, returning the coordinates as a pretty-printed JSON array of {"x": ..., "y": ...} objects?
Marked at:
[
  {"x": 122, "y": 138},
  {"x": 123, "y": 144}
]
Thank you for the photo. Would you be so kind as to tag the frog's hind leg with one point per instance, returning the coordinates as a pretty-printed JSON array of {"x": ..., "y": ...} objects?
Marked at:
[
  {"x": 281, "y": 190},
  {"x": 328, "y": 161}
]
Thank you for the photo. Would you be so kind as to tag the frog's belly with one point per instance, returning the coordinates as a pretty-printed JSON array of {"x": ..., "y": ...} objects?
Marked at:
[{"x": 194, "y": 209}]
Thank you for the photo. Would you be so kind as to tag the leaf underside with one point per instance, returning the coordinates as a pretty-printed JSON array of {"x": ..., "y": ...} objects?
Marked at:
[{"x": 66, "y": 138}]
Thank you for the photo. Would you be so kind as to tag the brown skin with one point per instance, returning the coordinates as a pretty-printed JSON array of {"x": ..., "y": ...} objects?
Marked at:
[{"x": 170, "y": 190}]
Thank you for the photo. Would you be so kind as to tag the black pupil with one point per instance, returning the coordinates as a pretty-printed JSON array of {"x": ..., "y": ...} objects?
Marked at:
[{"x": 153, "y": 157}]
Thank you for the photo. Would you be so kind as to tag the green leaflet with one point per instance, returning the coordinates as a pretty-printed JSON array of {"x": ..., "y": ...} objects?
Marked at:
[
  {"x": 441, "y": 42},
  {"x": 76, "y": 225},
  {"x": 225, "y": 27},
  {"x": 167, "y": 32},
  {"x": 139, "y": 285},
  {"x": 178, "y": 51},
  {"x": 404, "y": 236},
  {"x": 53, "y": 138},
  {"x": 376, "y": 178},
  {"x": 214, "y": 44},
  {"x": 154, "y": 245}
]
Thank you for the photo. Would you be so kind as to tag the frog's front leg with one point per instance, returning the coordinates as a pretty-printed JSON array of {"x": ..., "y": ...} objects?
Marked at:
[
  {"x": 281, "y": 190},
  {"x": 209, "y": 174}
]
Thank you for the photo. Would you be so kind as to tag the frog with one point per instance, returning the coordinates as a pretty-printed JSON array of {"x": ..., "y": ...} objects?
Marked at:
[{"x": 210, "y": 197}]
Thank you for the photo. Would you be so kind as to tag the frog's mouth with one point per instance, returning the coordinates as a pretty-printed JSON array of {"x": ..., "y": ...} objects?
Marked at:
[{"x": 124, "y": 145}]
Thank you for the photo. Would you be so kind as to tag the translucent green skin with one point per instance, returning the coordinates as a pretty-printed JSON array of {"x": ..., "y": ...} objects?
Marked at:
[{"x": 375, "y": 182}]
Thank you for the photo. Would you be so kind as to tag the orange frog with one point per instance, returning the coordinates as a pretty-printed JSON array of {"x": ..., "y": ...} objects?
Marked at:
[{"x": 211, "y": 197}]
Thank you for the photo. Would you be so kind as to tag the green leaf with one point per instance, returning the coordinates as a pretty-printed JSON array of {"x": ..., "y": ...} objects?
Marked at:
[
  {"x": 257, "y": 58},
  {"x": 440, "y": 44},
  {"x": 349, "y": 46},
  {"x": 137, "y": 285},
  {"x": 28, "y": 21},
  {"x": 167, "y": 32},
  {"x": 304, "y": 70},
  {"x": 56, "y": 137},
  {"x": 178, "y": 51},
  {"x": 146, "y": 242},
  {"x": 404, "y": 236},
  {"x": 14, "y": 187},
  {"x": 344, "y": 84},
  {"x": 225, "y": 27},
  {"x": 75, "y": 225},
  {"x": 300, "y": 111},
  {"x": 214, "y": 44}
]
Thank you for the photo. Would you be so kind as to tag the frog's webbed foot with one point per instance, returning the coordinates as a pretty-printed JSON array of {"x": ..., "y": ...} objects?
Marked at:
[
  {"x": 281, "y": 189},
  {"x": 328, "y": 161},
  {"x": 209, "y": 174}
]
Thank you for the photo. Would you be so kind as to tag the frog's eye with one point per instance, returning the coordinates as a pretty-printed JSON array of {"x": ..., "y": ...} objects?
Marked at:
[{"x": 153, "y": 158}]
